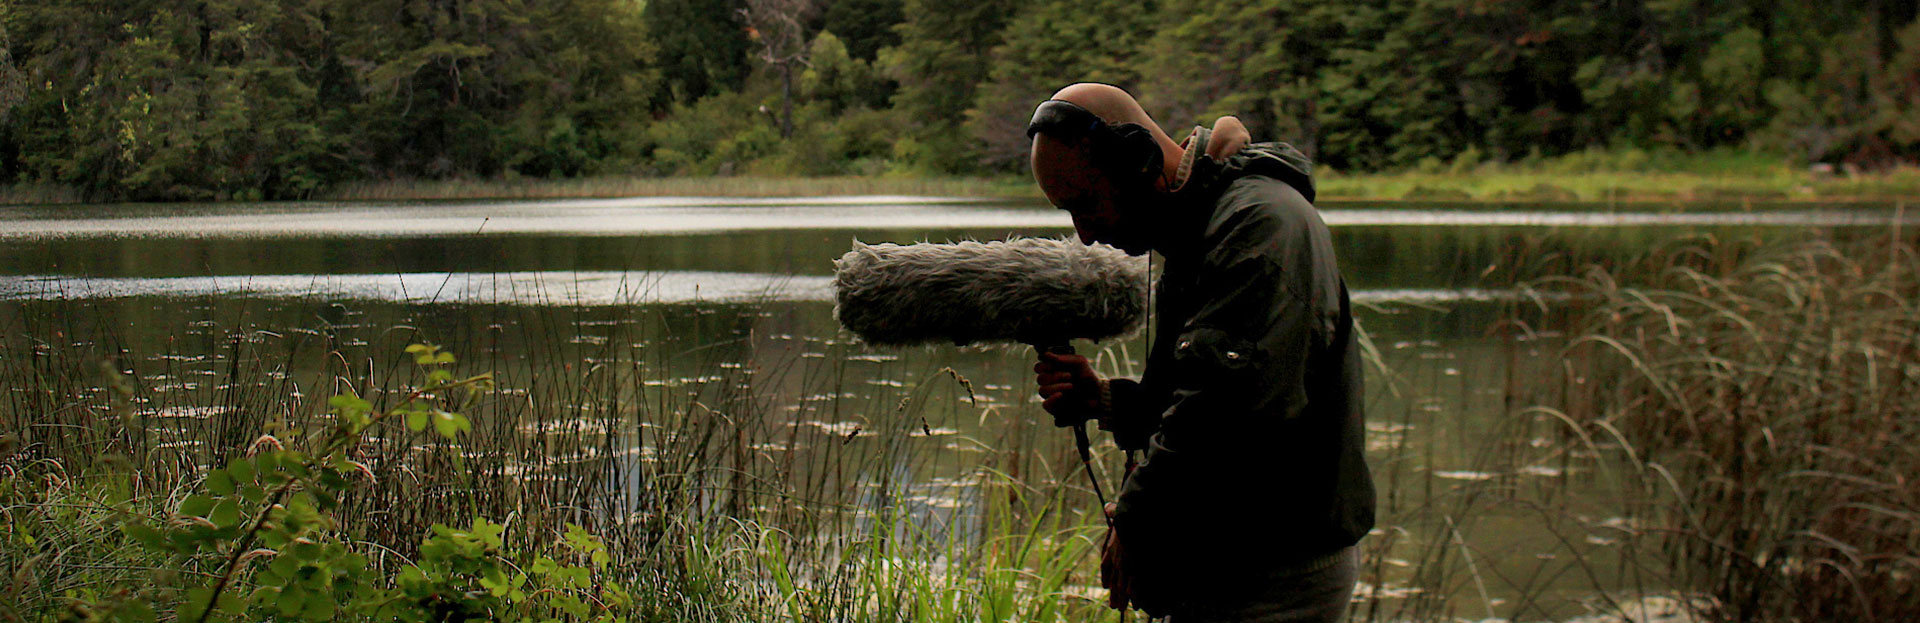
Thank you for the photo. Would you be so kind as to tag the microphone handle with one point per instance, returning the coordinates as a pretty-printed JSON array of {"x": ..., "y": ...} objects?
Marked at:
[{"x": 1079, "y": 428}]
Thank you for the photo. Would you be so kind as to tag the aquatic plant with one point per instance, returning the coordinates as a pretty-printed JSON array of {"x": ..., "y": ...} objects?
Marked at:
[{"x": 1766, "y": 405}]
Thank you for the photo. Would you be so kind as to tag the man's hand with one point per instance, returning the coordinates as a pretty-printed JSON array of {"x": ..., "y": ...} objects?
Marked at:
[
  {"x": 1113, "y": 573},
  {"x": 1069, "y": 388}
]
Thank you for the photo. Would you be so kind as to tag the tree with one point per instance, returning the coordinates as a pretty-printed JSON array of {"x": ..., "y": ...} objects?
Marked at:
[
  {"x": 149, "y": 101},
  {"x": 13, "y": 82},
  {"x": 942, "y": 56},
  {"x": 702, "y": 47},
  {"x": 220, "y": 99},
  {"x": 1049, "y": 45},
  {"x": 864, "y": 26},
  {"x": 833, "y": 76},
  {"x": 780, "y": 43}
]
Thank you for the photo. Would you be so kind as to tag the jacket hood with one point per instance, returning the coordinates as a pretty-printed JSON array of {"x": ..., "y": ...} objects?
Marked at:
[
  {"x": 1279, "y": 161},
  {"x": 1209, "y": 178}
]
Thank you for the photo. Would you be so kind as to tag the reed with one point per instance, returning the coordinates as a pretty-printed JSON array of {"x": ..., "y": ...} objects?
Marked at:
[
  {"x": 710, "y": 457},
  {"x": 1764, "y": 404},
  {"x": 1719, "y": 429}
]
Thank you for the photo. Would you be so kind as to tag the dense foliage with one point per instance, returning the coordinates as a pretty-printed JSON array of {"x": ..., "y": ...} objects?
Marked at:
[{"x": 278, "y": 98}]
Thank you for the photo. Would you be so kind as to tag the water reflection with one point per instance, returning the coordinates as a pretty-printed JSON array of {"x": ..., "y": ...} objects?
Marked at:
[
  {"x": 622, "y": 355},
  {"x": 530, "y": 288},
  {"x": 1611, "y": 218},
  {"x": 662, "y": 216},
  {"x": 573, "y": 218},
  {"x": 560, "y": 288}
]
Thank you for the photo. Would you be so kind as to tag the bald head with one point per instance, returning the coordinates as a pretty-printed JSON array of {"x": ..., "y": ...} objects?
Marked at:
[
  {"x": 1067, "y": 171},
  {"x": 1108, "y": 102},
  {"x": 1111, "y": 104},
  {"x": 1114, "y": 106}
]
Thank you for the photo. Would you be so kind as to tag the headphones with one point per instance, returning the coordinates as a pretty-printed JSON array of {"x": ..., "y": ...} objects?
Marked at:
[{"x": 1127, "y": 149}]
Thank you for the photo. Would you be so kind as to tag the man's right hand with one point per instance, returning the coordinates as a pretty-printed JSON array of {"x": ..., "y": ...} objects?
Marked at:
[{"x": 1069, "y": 388}]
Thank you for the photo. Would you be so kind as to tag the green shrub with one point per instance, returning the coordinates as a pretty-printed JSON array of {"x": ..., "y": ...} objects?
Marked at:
[{"x": 261, "y": 539}]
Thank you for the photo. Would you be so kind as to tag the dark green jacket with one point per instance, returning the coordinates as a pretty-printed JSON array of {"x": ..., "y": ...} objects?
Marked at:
[{"x": 1250, "y": 405}]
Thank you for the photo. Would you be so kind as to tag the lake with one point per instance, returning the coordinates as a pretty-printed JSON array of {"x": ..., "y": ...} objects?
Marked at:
[{"x": 635, "y": 340}]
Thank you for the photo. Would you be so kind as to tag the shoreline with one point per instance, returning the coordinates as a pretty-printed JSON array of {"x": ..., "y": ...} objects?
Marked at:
[{"x": 1480, "y": 187}]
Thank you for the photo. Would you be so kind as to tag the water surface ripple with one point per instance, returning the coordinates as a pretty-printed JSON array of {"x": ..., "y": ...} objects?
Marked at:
[
  {"x": 543, "y": 288},
  {"x": 658, "y": 216}
]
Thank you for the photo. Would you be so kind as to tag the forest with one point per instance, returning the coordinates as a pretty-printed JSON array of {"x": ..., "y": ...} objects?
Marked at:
[{"x": 279, "y": 99}]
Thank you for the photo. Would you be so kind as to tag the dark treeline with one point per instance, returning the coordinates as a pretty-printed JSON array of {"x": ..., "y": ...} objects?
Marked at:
[{"x": 196, "y": 99}]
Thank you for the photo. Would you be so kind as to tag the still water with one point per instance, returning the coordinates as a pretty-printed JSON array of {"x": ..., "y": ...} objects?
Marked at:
[{"x": 597, "y": 312}]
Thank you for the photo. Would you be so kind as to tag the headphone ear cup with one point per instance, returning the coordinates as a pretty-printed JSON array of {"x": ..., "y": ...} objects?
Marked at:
[
  {"x": 1137, "y": 150},
  {"x": 1150, "y": 154}
]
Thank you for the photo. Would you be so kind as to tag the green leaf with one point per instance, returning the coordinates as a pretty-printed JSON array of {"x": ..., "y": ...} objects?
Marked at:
[
  {"x": 226, "y": 514},
  {"x": 292, "y": 600},
  {"x": 417, "y": 420},
  {"x": 230, "y": 603},
  {"x": 263, "y": 596},
  {"x": 411, "y": 576},
  {"x": 285, "y": 566},
  {"x": 145, "y": 535},
  {"x": 242, "y": 471},
  {"x": 304, "y": 552},
  {"x": 197, "y": 602},
  {"x": 347, "y": 401},
  {"x": 196, "y": 506},
  {"x": 415, "y": 349},
  {"x": 495, "y": 581},
  {"x": 318, "y": 608},
  {"x": 271, "y": 469},
  {"x": 450, "y": 425},
  {"x": 219, "y": 482},
  {"x": 440, "y": 376},
  {"x": 136, "y": 612},
  {"x": 443, "y": 358}
]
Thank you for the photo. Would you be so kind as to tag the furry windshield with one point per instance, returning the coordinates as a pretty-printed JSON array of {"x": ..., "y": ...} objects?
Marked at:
[{"x": 1030, "y": 290}]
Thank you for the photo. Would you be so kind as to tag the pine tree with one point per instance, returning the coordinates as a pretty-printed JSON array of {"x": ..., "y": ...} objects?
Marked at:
[
  {"x": 942, "y": 57},
  {"x": 1051, "y": 44},
  {"x": 702, "y": 47},
  {"x": 864, "y": 26}
]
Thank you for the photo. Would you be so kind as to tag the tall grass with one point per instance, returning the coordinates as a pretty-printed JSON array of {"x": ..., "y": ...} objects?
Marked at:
[
  {"x": 1624, "y": 175},
  {"x": 1765, "y": 404},
  {"x": 715, "y": 460},
  {"x": 1717, "y": 430}
]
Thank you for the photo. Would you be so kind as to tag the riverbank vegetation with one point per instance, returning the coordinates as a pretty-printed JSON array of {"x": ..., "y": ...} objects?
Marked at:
[
  {"x": 1760, "y": 407},
  {"x": 1597, "y": 177},
  {"x": 1592, "y": 177},
  {"x": 259, "y": 99},
  {"x": 1713, "y": 430}
]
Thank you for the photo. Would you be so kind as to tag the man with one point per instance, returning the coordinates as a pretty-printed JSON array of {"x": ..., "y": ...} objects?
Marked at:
[{"x": 1254, "y": 486}]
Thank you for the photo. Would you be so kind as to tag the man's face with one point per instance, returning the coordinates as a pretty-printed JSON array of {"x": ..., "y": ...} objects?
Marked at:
[{"x": 1102, "y": 210}]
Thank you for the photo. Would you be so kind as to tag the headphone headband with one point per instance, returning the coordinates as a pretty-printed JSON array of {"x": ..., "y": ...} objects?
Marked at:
[
  {"x": 1127, "y": 147},
  {"x": 1065, "y": 119}
]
